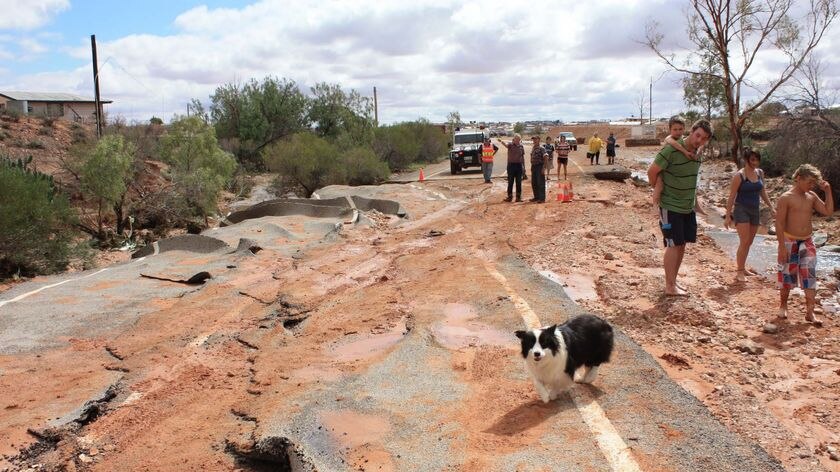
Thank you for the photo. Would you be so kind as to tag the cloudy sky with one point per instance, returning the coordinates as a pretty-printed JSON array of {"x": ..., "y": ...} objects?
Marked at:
[{"x": 490, "y": 60}]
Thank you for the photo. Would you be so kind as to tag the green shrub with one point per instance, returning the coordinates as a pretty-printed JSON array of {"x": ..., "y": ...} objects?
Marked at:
[
  {"x": 199, "y": 167},
  {"x": 308, "y": 162},
  {"x": 5, "y": 125},
  {"x": 48, "y": 121},
  {"x": 155, "y": 121},
  {"x": 79, "y": 136},
  {"x": 10, "y": 115},
  {"x": 305, "y": 159},
  {"x": 36, "y": 220},
  {"x": 3, "y": 136},
  {"x": 106, "y": 172},
  {"x": 35, "y": 144},
  {"x": 45, "y": 131},
  {"x": 360, "y": 166},
  {"x": 396, "y": 145}
]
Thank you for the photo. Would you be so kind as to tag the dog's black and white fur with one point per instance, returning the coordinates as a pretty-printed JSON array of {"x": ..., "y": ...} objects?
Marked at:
[{"x": 553, "y": 354}]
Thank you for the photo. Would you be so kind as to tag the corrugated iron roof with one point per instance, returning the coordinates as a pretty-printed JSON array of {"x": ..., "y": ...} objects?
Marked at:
[{"x": 48, "y": 97}]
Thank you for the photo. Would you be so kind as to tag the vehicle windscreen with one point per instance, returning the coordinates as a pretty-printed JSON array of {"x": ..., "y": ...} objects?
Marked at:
[{"x": 469, "y": 138}]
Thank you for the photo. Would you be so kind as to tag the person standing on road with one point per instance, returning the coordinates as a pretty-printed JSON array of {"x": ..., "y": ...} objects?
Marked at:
[
  {"x": 744, "y": 192},
  {"x": 611, "y": 149},
  {"x": 797, "y": 253},
  {"x": 563, "y": 149},
  {"x": 515, "y": 165},
  {"x": 594, "y": 153},
  {"x": 549, "y": 162},
  {"x": 488, "y": 151},
  {"x": 677, "y": 218},
  {"x": 538, "y": 157}
]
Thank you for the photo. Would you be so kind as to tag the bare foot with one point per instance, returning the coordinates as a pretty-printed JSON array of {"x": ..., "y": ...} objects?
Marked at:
[
  {"x": 741, "y": 276},
  {"x": 783, "y": 312},
  {"x": 811, "y": 318},
  {"x": 751, "y": 272},
  {"x": 675, "y": 292}
]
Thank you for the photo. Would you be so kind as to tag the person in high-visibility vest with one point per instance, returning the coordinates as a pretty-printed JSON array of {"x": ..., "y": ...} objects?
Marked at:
[{"x": 488, "y": 150}]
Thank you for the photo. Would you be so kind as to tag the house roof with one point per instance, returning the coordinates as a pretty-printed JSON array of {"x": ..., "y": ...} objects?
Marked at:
[{"x": 48, "y": 97}]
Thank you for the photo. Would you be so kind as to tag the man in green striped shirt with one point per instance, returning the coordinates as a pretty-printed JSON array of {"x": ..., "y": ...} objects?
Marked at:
[{"x": 677, "y": 219}]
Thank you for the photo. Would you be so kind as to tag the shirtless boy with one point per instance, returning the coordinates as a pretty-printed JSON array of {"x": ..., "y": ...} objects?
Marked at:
[{"x": 797, "y": 253}]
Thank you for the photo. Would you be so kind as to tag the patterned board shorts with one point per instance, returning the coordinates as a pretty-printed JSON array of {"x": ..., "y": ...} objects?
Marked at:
[{"x": 801, "y": 265}]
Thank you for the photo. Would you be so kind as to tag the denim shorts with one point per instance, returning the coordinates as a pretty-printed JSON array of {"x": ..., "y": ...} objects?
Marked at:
[{"x": 745, "y": 214}]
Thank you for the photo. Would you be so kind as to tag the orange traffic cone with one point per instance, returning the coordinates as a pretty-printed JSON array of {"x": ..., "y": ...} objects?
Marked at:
[
  {"x": 422, "y": 177},
  {"x": 571, "y": 192},
  {"x": 565, "y": 194}
]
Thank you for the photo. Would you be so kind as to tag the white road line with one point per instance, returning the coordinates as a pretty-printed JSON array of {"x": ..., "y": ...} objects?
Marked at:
[
  {"x": 436, "y": 173},
  {"x": 613, "y": 448},
  {"x": 607, "y": 437},
  {"x": 21, "y": 297},
  {"x": 528, "y": 316}
]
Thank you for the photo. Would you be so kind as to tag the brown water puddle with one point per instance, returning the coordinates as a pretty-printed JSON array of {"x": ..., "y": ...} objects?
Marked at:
[
  {"x": 362, "y": 436},
  {"x": 458, "y": 330},
  {"x": 360, "y": 347}
]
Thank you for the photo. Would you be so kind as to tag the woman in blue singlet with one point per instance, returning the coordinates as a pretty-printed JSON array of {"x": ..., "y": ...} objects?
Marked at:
[{"x": 744, "y": 193}]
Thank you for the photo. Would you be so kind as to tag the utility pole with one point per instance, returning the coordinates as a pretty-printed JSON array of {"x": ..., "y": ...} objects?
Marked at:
[
  {"x": 375, "y": 108},
  {"x": 96, "y": 87},
  {"x": 650, "y": 97}
]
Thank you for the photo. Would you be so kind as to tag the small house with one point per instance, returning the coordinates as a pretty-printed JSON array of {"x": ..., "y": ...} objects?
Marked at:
[{"x": 50, "y": 105}]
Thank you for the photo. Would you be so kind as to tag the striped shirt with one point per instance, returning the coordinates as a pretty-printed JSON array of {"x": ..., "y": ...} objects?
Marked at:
[
  {"x": 679, "y": 174},
  {"x": 563, "y": 149}
]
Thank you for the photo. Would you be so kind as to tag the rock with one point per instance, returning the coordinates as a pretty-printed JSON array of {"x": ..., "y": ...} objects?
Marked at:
[
  {"x": 771, "y": 230},
  {"x": 617, "y": 173},
  {"x": 589, "y": 235},
  {"x": 93, "y": 451},
  {"x": 834, "y": 456},
  {"x": 705, "y": 339},
  {"x": 831, "y": 248},
  {"x": 729, "y": 167},
  {"x": 746, "y": 345},
  {"x": 85, "y": 458},
  {"x": 820, "y": 239},
  {"x": 609, "y": 256},
  {"x": 770, "y": 328}
]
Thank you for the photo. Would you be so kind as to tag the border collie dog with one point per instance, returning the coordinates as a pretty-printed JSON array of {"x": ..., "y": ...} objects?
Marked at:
[{"x": 553, "y": 354}]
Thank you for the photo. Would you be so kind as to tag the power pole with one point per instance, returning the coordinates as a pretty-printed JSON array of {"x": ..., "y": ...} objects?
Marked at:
[
  {"x": 650, "y": 97},
  {"x": 375, "y": 108},
  {"x": 96, "y": 87}
]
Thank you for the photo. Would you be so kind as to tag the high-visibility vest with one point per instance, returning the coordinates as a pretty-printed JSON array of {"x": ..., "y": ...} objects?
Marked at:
[{"x": 487, "y": 153}]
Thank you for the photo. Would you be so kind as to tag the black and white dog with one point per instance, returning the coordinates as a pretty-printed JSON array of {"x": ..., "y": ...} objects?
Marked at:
[{"x": 553, "y": 354}]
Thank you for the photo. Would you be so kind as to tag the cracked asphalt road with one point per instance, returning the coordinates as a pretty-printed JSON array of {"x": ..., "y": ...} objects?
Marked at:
[{"x": 382, "y": 346}]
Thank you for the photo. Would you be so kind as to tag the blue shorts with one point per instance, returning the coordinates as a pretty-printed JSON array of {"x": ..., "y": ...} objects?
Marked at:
[{"x": 677, "y": 228}]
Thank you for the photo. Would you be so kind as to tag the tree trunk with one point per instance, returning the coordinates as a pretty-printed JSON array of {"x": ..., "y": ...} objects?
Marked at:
[
  {"x": 99, "y": 218},
  {"x": 118, "y": 213}
]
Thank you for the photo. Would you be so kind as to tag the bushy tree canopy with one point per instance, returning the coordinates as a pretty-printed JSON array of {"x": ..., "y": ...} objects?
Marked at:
[{"x": 199, "y": 167}]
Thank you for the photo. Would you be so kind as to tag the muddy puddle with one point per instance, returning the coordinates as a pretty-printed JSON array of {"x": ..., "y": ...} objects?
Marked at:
[
  {"x": 459, "y": 329},
  {"x": 364, "y": 346},
  {"x": 577, "y": 286}
]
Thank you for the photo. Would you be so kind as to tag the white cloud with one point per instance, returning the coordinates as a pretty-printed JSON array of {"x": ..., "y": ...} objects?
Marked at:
[
  {"x": 29, "y": 14},
  {"x": 490, "y": 60}
]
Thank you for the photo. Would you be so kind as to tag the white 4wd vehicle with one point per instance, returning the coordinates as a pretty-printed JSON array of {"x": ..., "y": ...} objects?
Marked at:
[
  {"x": 466, "y": 149},
  {"x": 570, "y": 138}
]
